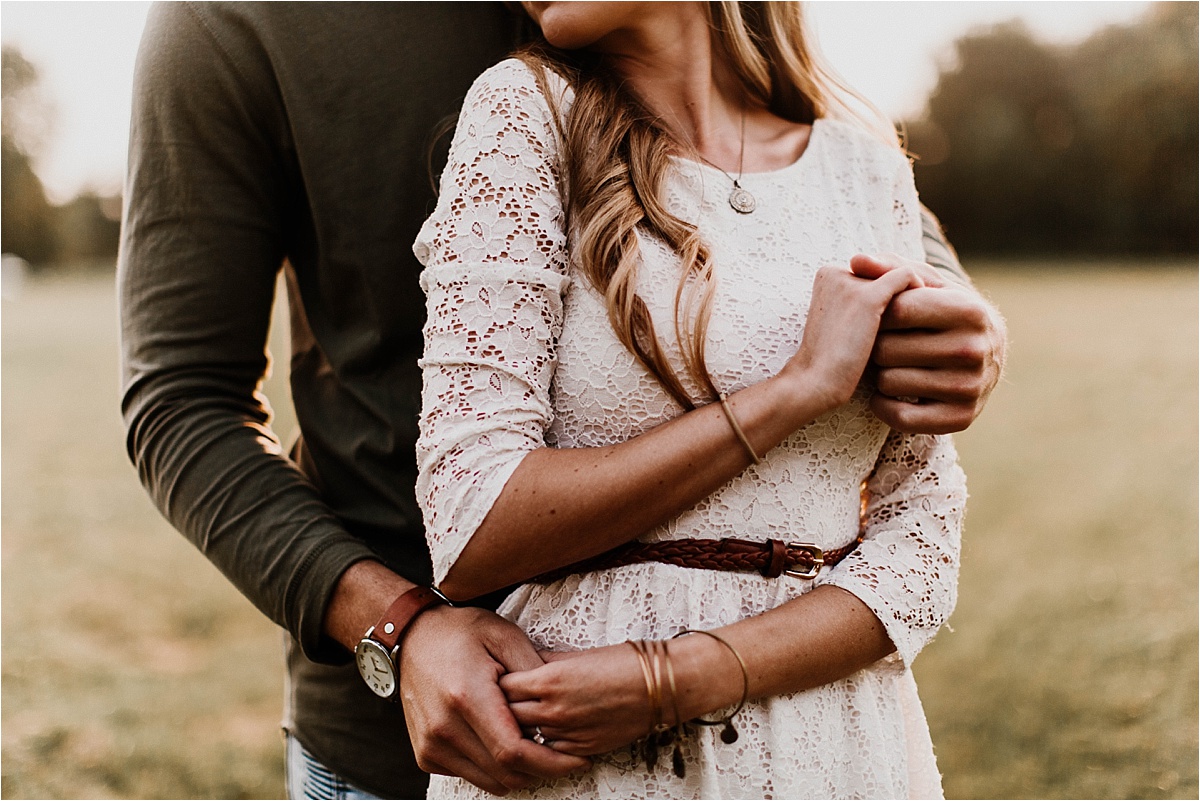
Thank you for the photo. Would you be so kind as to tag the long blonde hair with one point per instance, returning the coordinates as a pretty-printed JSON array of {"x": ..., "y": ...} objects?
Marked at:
[{"x": 615, "y": 169}]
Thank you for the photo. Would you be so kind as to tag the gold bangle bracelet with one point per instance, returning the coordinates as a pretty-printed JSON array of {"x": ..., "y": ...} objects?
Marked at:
[
  {"x": 653, "y": 690},
  {"x": 737, "y": 428},
  {"x": 728, "y": 733}
]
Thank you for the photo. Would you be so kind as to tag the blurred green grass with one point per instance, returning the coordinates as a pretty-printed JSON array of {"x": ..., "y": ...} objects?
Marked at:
[{"x": 130, "y": 668}]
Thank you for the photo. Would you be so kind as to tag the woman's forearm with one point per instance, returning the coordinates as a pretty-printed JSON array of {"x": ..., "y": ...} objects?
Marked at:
[
  {"x": 560, "y": 506},
  {"x": 592, "y": 701},
  {"x": 818, "y": 638},
  {"x": 564, "y": 505}
]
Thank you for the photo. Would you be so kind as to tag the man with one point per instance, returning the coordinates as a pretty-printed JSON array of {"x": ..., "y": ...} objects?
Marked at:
[{"x": 293, "y": 135}]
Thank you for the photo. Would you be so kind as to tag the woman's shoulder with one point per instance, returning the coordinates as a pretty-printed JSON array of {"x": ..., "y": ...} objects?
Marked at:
[
  {"x": 511, "y": 72},
  {"x": 853, "y": 139},
  {"x": 513, "y": 84}
]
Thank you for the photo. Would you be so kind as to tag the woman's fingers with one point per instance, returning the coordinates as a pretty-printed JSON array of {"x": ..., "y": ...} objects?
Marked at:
[
  {"x": 522, "y": 686},
  {"x": 872, "y": 267},
  {"x": 529, "y": 714},
  {"x": 898, "y": 280}
]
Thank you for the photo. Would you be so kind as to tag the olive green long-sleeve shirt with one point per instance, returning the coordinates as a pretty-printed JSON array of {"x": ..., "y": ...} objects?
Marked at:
[
  {"x": 272, "y": 134},
  {"x": 294, "y": 136}
]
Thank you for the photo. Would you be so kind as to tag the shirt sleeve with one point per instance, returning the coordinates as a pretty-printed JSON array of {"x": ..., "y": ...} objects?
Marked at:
[
  {"x": 938, "y": 251},
  {"x": 495, "y": 261},
  {"x": 201, "y": 247}
]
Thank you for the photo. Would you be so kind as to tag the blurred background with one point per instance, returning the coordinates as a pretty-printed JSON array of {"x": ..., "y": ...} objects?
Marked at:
[{"x": 1057, "y": 142}]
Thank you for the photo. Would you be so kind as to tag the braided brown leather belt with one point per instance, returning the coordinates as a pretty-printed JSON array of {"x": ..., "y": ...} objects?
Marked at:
[{"x": 772, "y": 558}]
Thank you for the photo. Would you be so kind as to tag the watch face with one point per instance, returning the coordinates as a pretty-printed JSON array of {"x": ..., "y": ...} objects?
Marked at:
[{"x": 376, "y": 668}]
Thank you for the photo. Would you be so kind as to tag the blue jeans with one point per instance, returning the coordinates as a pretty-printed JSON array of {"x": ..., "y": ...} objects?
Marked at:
[{"x": 308, "y": 778}]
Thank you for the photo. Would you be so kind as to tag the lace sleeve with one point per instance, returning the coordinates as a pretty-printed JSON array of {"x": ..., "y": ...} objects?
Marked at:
[
  {"x": 906, "y": 569},
  {"x": 495, "y": 261}
]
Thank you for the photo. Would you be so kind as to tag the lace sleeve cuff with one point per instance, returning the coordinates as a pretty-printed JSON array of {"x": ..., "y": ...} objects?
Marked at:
[{"x": 906, "y": 569}]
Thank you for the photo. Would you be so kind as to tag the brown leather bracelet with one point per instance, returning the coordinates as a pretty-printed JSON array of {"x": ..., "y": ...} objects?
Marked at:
[{"x": 401, "y": 614}]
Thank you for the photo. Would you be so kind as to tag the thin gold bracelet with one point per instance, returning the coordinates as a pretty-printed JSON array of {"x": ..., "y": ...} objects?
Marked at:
[
  {"x": 737, "y": 428},
  {"x": 653, "y": 691}
]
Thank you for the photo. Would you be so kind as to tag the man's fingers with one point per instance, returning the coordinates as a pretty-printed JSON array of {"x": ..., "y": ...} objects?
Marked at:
[
  {"x": 922, "y": 418},
  {"x": 512, "y": 649},
  {"x": 464, "y": 768},
  {"x": 940, "y": 349},
  {"x": 950, "y": 386},
  {"x": 935, "y": 308},
  {"x": 458, "y": 751}
]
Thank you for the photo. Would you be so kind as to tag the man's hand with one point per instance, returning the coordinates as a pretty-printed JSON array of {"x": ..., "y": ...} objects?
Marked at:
[
  {"x": 942, "y": 344},
  {"x": 458, "y": 718}
]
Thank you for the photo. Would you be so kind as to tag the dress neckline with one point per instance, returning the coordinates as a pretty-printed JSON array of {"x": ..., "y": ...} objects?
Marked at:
[{"x": 802, "y": 159}]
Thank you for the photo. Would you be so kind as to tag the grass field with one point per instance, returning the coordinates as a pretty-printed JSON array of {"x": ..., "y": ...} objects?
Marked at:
[{"x": 130, "y": 669}]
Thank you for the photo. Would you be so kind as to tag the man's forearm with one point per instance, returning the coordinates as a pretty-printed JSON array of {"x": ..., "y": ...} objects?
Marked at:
[
  {"x": 939, "y": 253},
  {"x": 361, "y": 596},
  {"x": 217, "y": 474}
]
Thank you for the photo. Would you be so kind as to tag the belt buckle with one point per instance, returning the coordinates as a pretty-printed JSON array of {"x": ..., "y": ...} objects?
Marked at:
[{"x": 818, "y": 561}]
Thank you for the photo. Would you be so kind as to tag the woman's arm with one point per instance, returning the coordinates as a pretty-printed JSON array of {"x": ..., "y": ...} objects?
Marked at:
[
  {"x": 891, "y": 595},
  {"x": 499, "y": 506},
  {"x": 593, "y": 701},
  {"x": 563, "y": 505}
]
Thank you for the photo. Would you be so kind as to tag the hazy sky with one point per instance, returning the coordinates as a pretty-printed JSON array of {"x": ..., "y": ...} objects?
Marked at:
[{"x": 889, "y": 51}]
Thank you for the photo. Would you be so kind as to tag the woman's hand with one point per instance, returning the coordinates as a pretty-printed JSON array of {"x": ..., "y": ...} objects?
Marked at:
[
  {"x": 584, "y": 702},
  {"x": 593, "y": 701},
  {"x": 843, "y": 322}
]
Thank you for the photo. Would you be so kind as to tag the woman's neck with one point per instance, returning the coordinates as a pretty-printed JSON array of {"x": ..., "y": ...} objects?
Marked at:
[{"x": 669, "y": 62}]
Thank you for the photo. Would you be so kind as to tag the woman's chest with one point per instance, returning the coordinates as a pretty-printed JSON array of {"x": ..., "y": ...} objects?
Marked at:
[{"x": 764, "y": 264}]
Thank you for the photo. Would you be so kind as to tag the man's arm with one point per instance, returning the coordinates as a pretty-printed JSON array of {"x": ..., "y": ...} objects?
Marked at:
[
  {"x": 945, "y": 346},
  {"x": 939, "y": 253},
  {"x": 202, "y": 243},
  {"x": 451, "y": 664}
]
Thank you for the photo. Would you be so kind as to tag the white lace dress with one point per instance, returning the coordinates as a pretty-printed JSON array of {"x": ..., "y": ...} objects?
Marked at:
[{"x": 519, "y": 354}]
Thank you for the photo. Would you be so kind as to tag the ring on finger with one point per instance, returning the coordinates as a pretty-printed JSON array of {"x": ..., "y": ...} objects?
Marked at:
[{"x": 538, "y": 737}]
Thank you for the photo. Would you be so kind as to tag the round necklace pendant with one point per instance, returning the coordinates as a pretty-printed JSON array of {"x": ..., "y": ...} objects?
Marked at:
[{"x": 742, "y": 201}]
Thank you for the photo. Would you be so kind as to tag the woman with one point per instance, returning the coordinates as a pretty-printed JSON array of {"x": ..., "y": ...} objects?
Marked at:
[{"x": 631, "y": 336}]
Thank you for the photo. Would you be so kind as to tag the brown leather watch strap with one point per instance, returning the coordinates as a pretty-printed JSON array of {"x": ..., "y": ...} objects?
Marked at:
[{"x": 401, "y": 614}]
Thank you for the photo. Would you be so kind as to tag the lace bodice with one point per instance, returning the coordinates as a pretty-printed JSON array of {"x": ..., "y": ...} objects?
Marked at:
[{"x": 520, "y": 355}]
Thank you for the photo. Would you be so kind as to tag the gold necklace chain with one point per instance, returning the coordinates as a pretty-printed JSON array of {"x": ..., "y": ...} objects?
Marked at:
[{"x": 740, "y": 199}]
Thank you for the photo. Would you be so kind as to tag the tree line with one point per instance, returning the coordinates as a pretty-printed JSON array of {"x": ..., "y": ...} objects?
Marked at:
[
  {"x": 1091, "y": 149},
  {"x": 86, "y": 228},
  {"x": 1023, "y": 148}
]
